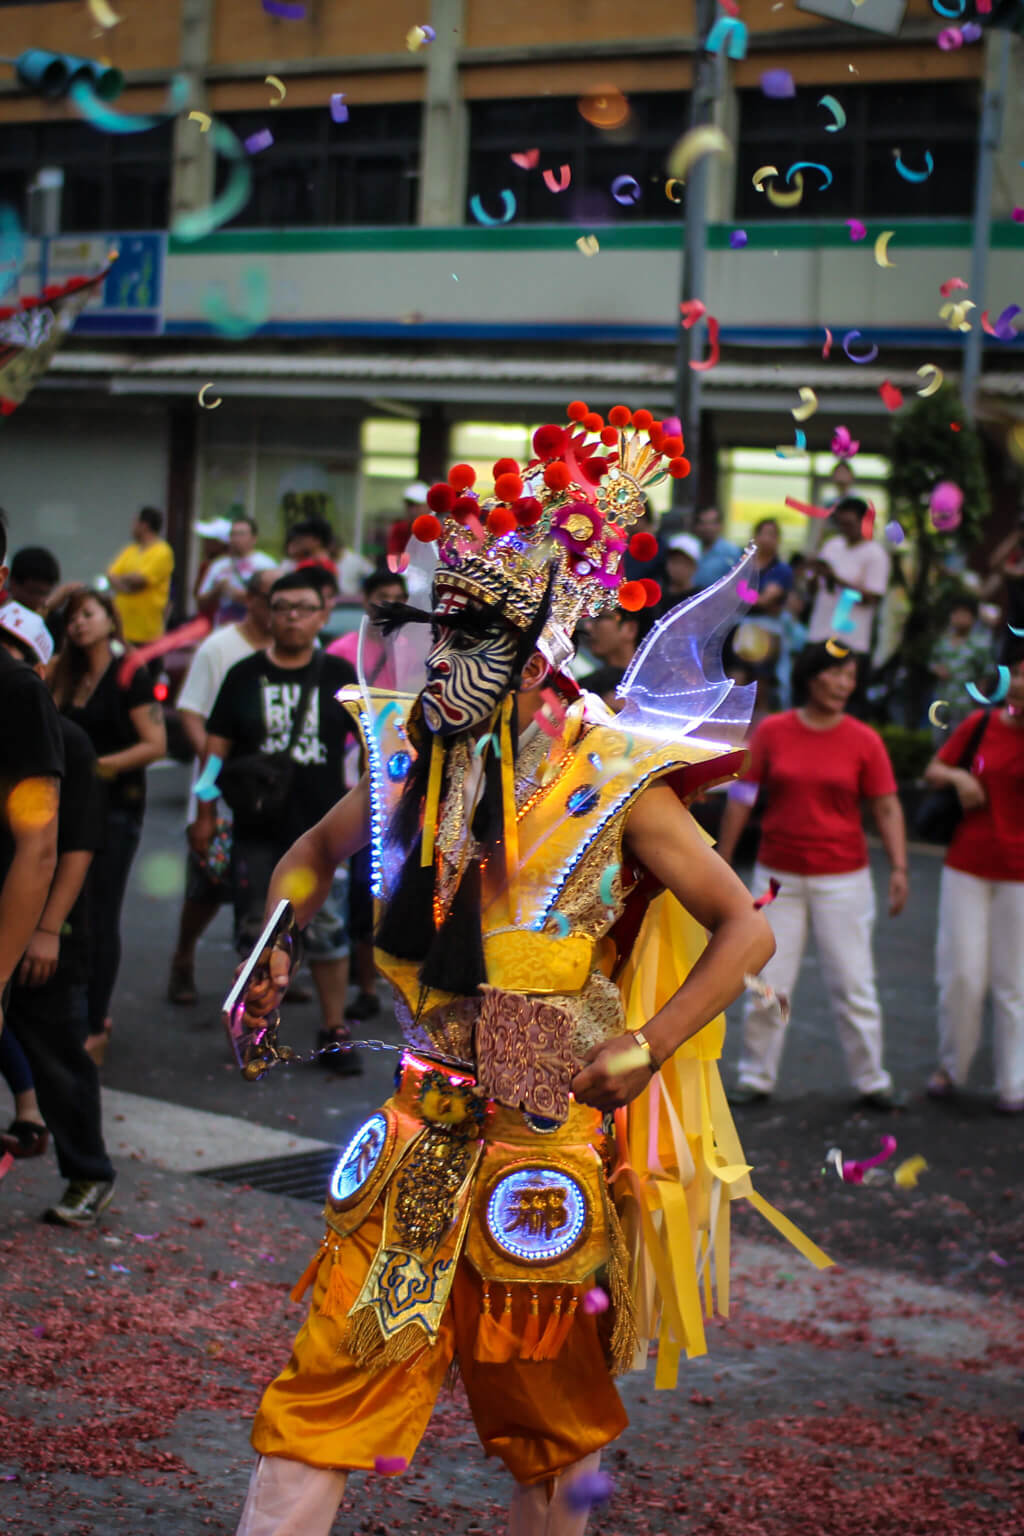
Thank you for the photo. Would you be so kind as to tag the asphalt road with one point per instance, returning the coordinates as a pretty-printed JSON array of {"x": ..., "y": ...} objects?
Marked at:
[{"x": 966, "y": 1208}]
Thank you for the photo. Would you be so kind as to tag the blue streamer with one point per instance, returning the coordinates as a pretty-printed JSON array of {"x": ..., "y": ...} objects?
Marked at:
[
  {"x": 811, "y": 165},
  {"x": 843, "y": 621},
  {"x": 945, "y": 11},
  {"x": 481, "y": 215},
  {"x": 1002, "y": 689},
  {"x": 88, "y": 105},
  {"x": 206, "y": 784},
  {"x": 12, "y": 248},
  {"x": 909, "y": 175},
  {"x": 730, "y": 34}
]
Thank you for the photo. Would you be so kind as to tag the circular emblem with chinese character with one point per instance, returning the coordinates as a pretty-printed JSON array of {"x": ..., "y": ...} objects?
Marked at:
[
  {"x": 360, "y": 1160},
  {"x": 536, "y": 1214}
]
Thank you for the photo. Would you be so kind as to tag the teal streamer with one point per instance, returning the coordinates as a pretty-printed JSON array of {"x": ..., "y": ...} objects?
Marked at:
[
  {"x": 254, "y": 311},
  {"x": 1002, "y": 689},
  {"x": 197, "y": 225},
  {"x": 102, "y": 116},
  {"x": 12, "y": 248}
]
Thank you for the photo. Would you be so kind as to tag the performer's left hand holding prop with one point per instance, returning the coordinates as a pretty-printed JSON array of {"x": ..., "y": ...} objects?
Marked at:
[
  {"x": 614, "y": 1073},
  {"x": 252, "y": 1008}
]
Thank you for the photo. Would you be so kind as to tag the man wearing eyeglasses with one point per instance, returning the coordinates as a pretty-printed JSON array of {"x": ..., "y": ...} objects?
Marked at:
[{"x": 255, "y": 712}]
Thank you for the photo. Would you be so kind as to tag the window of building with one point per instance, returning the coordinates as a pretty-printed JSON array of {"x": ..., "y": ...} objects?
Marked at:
[
  {"x": 111, "y": 182},
  {"x": 389, "y": 448},
  {"x": 318, "y": 172},
  {"x": 500, "y": 129},
  {"x": 940, "y": 117},
  {"x": 754, "y": 483}
]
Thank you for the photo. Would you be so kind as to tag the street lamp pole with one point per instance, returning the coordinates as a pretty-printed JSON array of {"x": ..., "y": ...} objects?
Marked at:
[
  {"x": 687, "y": 400},
  {"x": 990, "y": 133}
]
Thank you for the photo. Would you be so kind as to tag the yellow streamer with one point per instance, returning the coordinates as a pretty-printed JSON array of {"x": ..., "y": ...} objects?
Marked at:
[
  {"x": 787, "y": 199},
  {"x": 278, "y": 85},
  {"x": 806, "y": 411},
  {"x": 923, "y": 372},
  {"x": 433, "y": 803},
  {"x": 882, "y": 248},
  {"x": 706, "y": 140},
  {"x": 762, "y": 174},
  {"x": 208, "y": 405},
  {"x": 510, "y": 823},
  {"x": 103, "y": 15},
  {"x": 203, "y": 119},
  {"x": 956, "y": 315},
  {"x": 673, "y": 181},
  {"x": 588, "y": 245}
]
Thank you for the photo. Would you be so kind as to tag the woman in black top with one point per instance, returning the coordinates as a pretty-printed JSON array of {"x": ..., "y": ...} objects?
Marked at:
[{"x": 126, "y": 727}]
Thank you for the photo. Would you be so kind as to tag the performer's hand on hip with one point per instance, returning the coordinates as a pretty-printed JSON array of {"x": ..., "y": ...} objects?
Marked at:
[{"x": 613, "y": 1073}]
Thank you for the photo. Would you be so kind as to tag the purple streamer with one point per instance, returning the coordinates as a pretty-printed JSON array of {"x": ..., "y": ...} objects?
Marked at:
[
  {"x": 626, "y": 190},
  {"x": 285, "y": 11},
  {"x": 868, "y": 357},
  {"x": 778, "y": 84},
  {"x": 339, "y": 111},
  {"x": 1004, "y": 325},
  {"x": 257, "y": 141}
]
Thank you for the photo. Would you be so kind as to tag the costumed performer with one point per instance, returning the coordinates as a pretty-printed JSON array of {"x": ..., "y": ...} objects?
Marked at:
[{"x": 520, "y": 833}]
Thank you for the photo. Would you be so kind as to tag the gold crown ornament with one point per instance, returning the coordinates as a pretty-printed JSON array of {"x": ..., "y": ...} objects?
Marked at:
[{"x": 571, "y": 506}]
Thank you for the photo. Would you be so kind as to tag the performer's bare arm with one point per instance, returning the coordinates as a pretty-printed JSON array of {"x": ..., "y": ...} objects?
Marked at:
[
  {"x": 341, "y": 833},
  {"x": 663, "y": 837}
]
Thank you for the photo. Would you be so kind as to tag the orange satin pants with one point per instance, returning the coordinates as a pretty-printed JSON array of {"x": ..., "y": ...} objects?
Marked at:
[{"x": 538, "y": 1416}]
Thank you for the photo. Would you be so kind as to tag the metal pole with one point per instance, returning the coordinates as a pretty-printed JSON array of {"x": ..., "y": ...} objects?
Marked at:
[
  {"x": 990, "y": 131},
  {"x": 687, "y": 402}
]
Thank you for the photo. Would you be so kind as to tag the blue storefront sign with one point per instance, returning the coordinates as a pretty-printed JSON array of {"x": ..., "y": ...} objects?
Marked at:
[{"x": 130, "y": 302}]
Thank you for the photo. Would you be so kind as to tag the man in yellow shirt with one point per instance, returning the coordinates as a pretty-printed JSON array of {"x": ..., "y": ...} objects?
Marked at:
[{"x": 141, "y": 579}]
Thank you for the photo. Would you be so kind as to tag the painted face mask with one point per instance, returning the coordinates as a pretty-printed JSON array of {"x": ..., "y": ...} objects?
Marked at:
[{"x": 469, "y": 670}]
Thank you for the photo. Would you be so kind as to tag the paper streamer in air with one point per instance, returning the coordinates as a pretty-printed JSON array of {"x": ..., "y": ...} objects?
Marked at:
[
  {"x": 882, "y": 248},
  {"x": 810, "y": 405},
  {"x": 339, "y": 111},
  {"x": 933, "y": 374},
  {"x": 806, "y": 507},
  {"x": 933, "y": 713},
  {"x": 254, "y": 311},
  {"x": 1002, "y": 689},
  {"x": 908, "y": 174},
  {"x": 837, "y": 112},
  {"x": 786, "y": 199},
  {"x": 197, "y": 225},
  {"x": 810, "y": 165},
  {"x": 713, "y": 356},
  {"x": 12, "y": 247},
  {"x": 706, "y": 140},
  {"x": 208, "y": 405},
  {"x": 206, "y": 784},
  {"x": 730, "y": 34},
  {"x": 102, "y": 116},
  {"x": 762, "y": 174},
  {"x": 279, "y": 85},
  {"x": 186, "y": 634},
  {"x": 843, "y": 621},
  {"x": 869, "y": 355},
  {"x": 508, "y": 203},
  {"x": 560, "y": 182}
]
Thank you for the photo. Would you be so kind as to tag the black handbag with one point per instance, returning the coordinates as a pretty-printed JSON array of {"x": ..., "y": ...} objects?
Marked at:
[
  {"x": 257, "y": 785},
  {"x": 940, "y": 812}
]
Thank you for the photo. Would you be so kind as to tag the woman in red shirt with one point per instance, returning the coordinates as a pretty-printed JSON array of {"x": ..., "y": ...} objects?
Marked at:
[
  {"x": 980, "y": 940},
  {"x": 814, "y": 765}
]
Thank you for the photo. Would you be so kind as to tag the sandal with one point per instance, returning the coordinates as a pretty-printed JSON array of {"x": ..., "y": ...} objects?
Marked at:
[{"x": 25, "y": 1138}]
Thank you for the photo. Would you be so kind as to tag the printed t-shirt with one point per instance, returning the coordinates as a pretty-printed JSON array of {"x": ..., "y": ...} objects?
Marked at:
[
  {"x": 255, "y": 709},
  {"x": 79, "y": 830},
  {"x": 30, "y": 740},
  {"x": 989, "y": 843},
  {"x": 864, "y": 565},
  {"x": 211, "y": 663},
  {"x": 142, "y": 613},
  {"x": 813, "y": 783},
  {"x": 106, "y": 719}
]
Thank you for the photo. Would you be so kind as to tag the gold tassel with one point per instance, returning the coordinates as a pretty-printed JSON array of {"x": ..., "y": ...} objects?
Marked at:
[
  {"x": 544, "y": 1349},
  {"x": 531, "y": 1333},
  {"x": 309, "y": 1274},
  {"x": 369, "y": 1349},
  {"x": 495, "y": 1342},
  {"x": 564, "y": 1327},
  {"x": 337, "y": 1299},
  {"x": 510, "y": 823},
  {"x": 433, "y": 802},
  {"x": 624, "y": 1336}
]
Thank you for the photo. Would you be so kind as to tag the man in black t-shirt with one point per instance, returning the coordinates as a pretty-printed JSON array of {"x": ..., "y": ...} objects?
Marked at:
[
  {"x": 41, "y": 1011},
  {"x": 31, "y": 765},
  {"x": 255, "y": 712}
]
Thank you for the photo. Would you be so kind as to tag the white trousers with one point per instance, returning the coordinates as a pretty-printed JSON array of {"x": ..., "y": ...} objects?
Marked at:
[
  {"x": 980, "y": 947},
  {"x": 840, "y": 910},
  {"x": 287, "y": 1498}
]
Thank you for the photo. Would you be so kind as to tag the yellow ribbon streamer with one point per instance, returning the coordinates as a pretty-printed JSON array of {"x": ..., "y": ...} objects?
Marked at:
[{"x": 433, "y": 803}]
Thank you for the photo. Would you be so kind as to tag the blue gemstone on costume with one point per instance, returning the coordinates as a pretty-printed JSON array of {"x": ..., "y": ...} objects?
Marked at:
[
  {"x": 582, "y": 800},
  {"x": 595, "y": 761},
  {"x": 536, "y": 1214},
  {"x": 360, "y": 1158},
  {"x": 399, "y": 764}
]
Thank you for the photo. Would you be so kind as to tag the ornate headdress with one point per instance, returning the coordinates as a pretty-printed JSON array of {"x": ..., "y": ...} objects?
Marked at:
[{"x": 571, "y": 507}]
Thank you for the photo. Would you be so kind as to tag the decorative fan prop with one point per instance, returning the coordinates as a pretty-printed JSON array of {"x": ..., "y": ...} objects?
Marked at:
[{"x": 31, "y": 332}]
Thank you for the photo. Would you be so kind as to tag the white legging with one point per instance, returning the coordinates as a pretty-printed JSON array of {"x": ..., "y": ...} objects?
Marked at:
[
  {"x": 979, "y": 948},
  {"x": 287, "y": 1498}
]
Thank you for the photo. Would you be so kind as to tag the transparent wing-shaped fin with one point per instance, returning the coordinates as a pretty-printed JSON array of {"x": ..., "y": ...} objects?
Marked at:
[
  {"x": 675, "y": 685},
  {"x": 398, "y": 662}
]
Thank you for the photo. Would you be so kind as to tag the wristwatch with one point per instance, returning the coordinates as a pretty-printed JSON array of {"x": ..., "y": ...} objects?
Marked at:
[{"x": 642, "y": 1041}]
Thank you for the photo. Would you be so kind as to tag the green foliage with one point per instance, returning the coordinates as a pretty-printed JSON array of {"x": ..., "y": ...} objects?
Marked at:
[
  {"x": 926, "y": 450},
  {"x": 910, "y": 751}
]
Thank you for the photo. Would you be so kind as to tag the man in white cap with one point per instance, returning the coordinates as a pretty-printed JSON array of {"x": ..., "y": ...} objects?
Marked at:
[{"x": 60, "y": 1088}]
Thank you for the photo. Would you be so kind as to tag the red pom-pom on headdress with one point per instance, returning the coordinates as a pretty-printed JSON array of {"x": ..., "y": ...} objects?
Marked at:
[
  {"x": 643, "y": 546},
  {"x": 461, "y": 477},
  {"x": 426, "y": 528},
  {"x": 642, "y": 420},
  {"x": 528, "y": 511},
  {"x": 465, "y": 508},
  {"x": 576, "y": 410},
  {"x": 500, "y": 520},
  {"x": 557, "y": 476},
  {"x": 593, "y": 469},
  {"x": 620, "y": 416},
  {"x": 440, "y": 499},
  {"x": 632, "y": 596},
  {"x": 508, "y": 486},
  {"x": 679, "y": 468},
  {"x": 672, "y": 447},
  {"x": 549, "y": 441},
  {"x": 610, "y": 437},
  {"x": 505, "y": 467},
  {"x": 593, "y": 421},
  {"x": 652, "y": 590}
]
